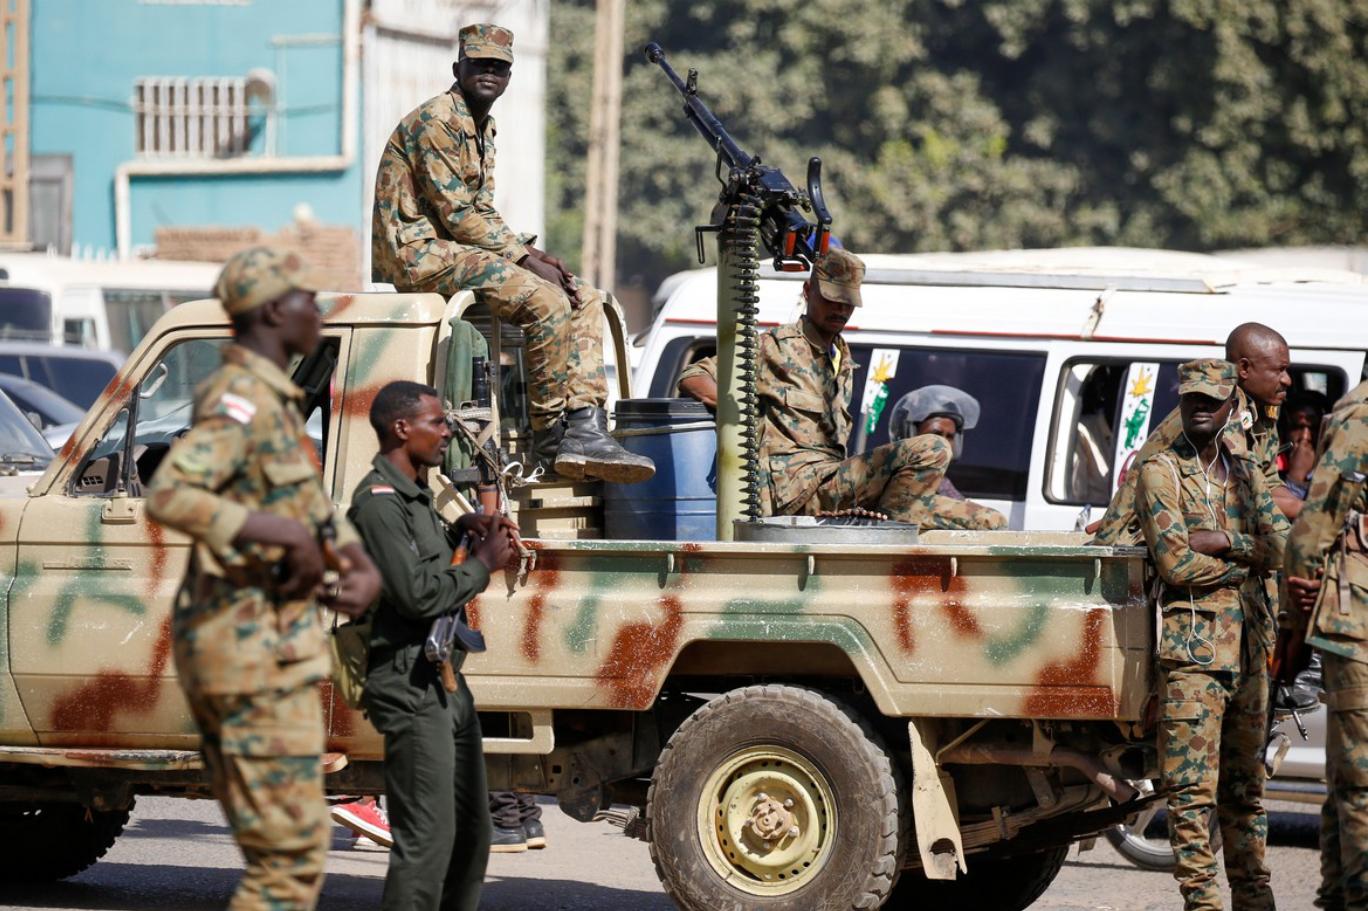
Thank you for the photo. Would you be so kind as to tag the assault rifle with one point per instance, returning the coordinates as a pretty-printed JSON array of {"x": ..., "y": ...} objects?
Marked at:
[{"x": 790, "y": 238}]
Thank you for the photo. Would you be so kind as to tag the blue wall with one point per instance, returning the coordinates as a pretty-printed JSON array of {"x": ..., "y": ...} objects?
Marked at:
[{"x": 85, "y": 57}]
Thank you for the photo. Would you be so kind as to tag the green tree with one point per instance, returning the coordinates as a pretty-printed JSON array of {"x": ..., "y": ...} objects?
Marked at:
[{"x": 950, "y": 125}]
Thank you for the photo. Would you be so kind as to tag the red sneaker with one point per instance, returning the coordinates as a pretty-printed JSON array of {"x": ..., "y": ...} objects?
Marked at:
[{"x": 364, "y": 818}]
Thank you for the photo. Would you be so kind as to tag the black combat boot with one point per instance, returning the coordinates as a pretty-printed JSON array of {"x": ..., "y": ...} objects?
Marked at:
[
  {"x": 589, "y": 451},
  {"x": 545, "y": 444}
]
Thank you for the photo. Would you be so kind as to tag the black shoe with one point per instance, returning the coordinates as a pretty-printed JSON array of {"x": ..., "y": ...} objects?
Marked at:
[
  {"x": 536, "y": 835},
  {"x": 508, "y": 841},
  {"x": 589, "y": 451}
]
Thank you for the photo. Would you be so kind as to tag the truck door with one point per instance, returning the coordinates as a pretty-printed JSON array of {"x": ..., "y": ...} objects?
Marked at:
[{"x": 90, "y": 612}]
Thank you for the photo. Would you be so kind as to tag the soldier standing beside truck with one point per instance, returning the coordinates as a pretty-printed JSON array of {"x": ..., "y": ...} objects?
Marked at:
[
  {"x": 1261, "y": 357},
  {"x": 1327, "y": 571},
  {"x": 1214, "y": 534},
  {"x": 804, "y": 379},
  {"x": 434, "y": 758},
  {"x": 435, "y": 228},
  {"x": 244, "y": 483}
]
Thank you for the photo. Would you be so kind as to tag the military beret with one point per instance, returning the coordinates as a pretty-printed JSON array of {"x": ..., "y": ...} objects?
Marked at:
[
  {"x": 258, "y": 275},
  {"x": 838, "y": 274},
  {"x": 1210, "y": 377},
  {"x": 485, "y": 40}
]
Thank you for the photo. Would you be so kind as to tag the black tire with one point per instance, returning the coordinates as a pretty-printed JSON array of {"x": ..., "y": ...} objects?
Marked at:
[
  {"x": 991, "y": 884},
  {"x": 45, "y": 842},
  {"x": 866, "y": 834}
]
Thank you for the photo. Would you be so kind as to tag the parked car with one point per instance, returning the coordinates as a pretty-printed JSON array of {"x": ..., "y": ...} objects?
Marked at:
[
  {"x": 76, "y": 374},
  {"x": 41, "y": 405},
  {"x": 24, "y": 454}
]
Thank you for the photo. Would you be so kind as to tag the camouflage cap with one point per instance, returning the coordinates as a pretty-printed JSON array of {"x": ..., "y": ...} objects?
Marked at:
[
  {"x": 258, "y": 275},
  {"x": 486, "y": 40},
  {"x": 838, "y": 273},
  {"x": 1211, "y": 377}
]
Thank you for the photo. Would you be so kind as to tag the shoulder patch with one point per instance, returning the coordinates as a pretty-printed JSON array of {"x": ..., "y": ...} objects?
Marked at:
[
  {"x": 236, "y": 407},
  {"x": 381, "y": 488},
  {"x": 1246, "y": 419}
]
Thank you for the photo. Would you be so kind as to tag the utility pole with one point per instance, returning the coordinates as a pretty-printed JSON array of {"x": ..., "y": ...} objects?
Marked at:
[{"x": 598, "y": 254}]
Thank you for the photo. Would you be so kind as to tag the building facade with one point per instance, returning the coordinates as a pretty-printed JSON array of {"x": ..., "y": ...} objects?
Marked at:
[{"x": 214, "y": 122}]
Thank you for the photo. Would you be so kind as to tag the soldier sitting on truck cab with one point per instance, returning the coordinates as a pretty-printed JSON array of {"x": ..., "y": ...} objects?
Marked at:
[{"x": 804, "y": 379}]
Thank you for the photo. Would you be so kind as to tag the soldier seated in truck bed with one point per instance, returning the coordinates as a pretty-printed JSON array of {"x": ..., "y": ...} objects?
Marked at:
[{"x": 804, "y": 380}]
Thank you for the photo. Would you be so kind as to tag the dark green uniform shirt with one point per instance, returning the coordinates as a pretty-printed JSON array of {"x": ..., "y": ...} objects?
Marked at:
[{"x": 412, "y": 549}]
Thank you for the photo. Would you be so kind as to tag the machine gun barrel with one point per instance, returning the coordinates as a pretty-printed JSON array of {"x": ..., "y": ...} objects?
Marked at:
[{"x": 699, "y": 114}]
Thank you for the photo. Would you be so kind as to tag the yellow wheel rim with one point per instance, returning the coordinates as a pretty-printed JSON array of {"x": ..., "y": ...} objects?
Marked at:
[{"x": 767, "y": 820}]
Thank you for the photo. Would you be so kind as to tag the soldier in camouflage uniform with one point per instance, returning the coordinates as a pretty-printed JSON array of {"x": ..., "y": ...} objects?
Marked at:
[
  {"x": 804, "y": 382},
  {"x": 250, "y": 650},
  {"x": 1327, "y": 570},
  {"x": 1261, "y": 358},
  {"x": 1214, "y": 534},
  {"x": 435, "y": 228}
]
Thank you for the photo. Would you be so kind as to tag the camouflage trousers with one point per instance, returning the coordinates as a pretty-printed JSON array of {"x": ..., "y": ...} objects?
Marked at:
[
  {"x": 901, "y": 479},
  {"x": 1212, "y": 732},
  {"x": 1344, "y": 818},
  {"x": 262, "y": 753},
  {"x": 563, "y": 346}
]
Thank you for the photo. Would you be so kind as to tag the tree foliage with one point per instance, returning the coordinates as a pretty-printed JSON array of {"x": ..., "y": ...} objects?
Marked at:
[{"x": 967, "y": 124}]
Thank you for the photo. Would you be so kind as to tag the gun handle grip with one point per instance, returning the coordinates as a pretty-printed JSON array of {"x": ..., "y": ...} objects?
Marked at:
[{"x": 448, "y": 677}]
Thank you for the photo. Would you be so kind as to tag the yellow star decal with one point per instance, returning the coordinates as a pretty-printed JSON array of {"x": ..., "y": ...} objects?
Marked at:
[
  {"x": 1142, "y": 385},
  {"x": 883, "y": 371}
]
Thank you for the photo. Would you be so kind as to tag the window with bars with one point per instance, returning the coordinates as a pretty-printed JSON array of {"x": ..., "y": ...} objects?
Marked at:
[{"x": 180, "y": 117}]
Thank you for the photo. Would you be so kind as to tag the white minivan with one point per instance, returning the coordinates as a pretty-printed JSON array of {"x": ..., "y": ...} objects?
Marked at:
[
  {"x": 106, "y": 305},
  {"x": 1071, "y": 353}
]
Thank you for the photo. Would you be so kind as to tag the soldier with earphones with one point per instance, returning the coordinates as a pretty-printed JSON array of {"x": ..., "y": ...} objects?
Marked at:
[{"x": 1215, "y": 534}]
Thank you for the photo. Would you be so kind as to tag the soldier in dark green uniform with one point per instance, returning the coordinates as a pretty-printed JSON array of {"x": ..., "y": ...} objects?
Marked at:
[{"x": 434, "y": 759}]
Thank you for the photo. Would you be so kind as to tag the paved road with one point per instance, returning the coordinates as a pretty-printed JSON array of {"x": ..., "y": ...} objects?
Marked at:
[{"x": 177, "y": 854}]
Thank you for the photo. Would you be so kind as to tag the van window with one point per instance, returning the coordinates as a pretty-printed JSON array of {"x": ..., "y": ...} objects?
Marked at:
[
  {"x": 1095, "y": 421},
  {"x": 25, "y": 313},
  {"x": 997, "y": 453},
  {"x": 132, "y": 311},
  {"x": 79, "y": 332},
  {"x": 678, "y": 354}
]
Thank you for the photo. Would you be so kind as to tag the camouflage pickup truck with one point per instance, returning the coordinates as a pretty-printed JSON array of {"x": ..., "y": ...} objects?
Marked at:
[{"x": 789, "y": 726}]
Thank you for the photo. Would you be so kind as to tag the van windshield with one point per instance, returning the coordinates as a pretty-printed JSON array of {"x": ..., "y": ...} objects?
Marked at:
[{"x": 25, "y": 313}]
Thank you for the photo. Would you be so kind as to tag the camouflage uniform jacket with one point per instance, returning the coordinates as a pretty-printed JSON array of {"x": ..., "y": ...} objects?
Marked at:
[
  {"x": 246, "y": 451},
  {"x": 804, "y": 410},
  {"x": 436, "y": 182},
  {"x": 1217, "y": 600},
  {"x": 412, "y": 549},
  {"x": 1249, "y": 431},
  {"x": 1335, "y": 493}
]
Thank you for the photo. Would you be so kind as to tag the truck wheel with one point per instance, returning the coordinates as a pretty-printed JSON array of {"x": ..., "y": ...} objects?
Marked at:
[
  {"x": 776, "y": 798},
  {"x": 43, "y": 842},
  {"x": 1145, "y": 841},
  {"x": 992, "y": 883}
]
